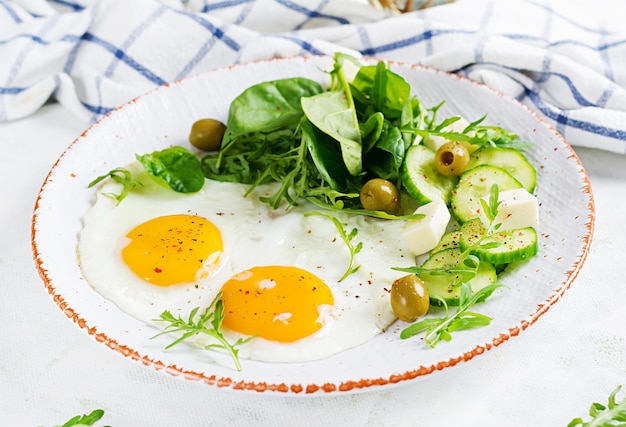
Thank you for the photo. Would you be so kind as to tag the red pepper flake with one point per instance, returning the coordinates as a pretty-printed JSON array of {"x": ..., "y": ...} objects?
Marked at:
[{"x": 157, "y": 270}]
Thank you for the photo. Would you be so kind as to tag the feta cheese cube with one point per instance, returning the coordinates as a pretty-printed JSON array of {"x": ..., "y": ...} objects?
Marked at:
[
  {"x": 423, "y": 234},
  {"x": 518, "y": 209}
]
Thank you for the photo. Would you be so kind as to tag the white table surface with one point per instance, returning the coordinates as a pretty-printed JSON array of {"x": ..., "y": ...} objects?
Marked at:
[{"x": 51, "y": 370}]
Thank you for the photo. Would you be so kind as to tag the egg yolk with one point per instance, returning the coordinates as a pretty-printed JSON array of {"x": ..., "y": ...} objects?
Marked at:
[
  {"x": 173, "y": 249},
  {"x": 277, "y": 303}
]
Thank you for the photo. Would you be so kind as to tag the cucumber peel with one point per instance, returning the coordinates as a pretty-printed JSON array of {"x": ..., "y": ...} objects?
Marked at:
[
  {"x": 422, "y": 180},
  {"x": 501, "y": 247},
  {"x": 509, "y": 159},
  {"x": 476, "y": 183},
  {"x": 442, "y": 276}
]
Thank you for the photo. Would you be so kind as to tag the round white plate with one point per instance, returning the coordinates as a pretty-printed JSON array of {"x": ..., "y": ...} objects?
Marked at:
[{"x": 163, "y": 117}]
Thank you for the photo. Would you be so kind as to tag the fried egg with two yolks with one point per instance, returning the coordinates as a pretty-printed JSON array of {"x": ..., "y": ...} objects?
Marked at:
[{"x": 277, "y": 270}]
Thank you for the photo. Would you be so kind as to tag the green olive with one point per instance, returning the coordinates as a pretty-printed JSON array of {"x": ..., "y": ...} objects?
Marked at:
[
  {"x": 380, "y": 195},
  {"x": 452, "y": 158},
  {"x": 207, "y": 134},
  {"x": 409, "y": 298}
]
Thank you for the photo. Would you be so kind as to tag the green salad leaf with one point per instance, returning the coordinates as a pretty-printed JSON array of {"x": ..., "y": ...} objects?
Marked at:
[
  {"x": 376, "y": 88},
  {"x": 613, "y": 414},
  {"x": 321, "y": 144},
  {"x": 347, "y": 238},
  {"x": 331, "y": 113},
  {"x": 440, "y": 328},
  {"x": 326, "y": 156},
  {"x": 209, "y": 322},
  {"x": 265, "y": 108},
  {"x": 326, "y": 149},
  {"x": 84, "y": 420},
  {"x": 176, "y": 166},
  {"x": 122, "y": 177}
]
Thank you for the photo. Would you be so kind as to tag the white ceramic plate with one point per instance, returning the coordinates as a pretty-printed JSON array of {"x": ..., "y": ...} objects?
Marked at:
[{"x": 163, "y": 117}]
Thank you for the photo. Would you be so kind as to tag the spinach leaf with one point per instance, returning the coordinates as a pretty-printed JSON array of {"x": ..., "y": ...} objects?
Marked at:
[
  {"x": 371, "y": 130},
  {"x": 176, "y": 166},
  {"x": 386, "y": 158},
  {"x": 267, "y": 107},
  {"x": 333, "y": 114},
  {"x": 382, "y": 90},
  {"x": 326, "y": 156}
]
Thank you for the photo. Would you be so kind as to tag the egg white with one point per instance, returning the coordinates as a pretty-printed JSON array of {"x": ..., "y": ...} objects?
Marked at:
[{"x": 254, "y": 235}]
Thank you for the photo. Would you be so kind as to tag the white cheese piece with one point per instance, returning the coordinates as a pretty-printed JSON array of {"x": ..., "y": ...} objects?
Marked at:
[
  {"x": 434, "y": 141},
  {"x": 517, "y": 209},
  {"x": 423, "y": 234}
]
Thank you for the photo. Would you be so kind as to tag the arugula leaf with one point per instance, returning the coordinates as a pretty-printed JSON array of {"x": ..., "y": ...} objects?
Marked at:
[
  {"x": 178, "y": 167},
  {"x": 440, "y": 329},
  {"x": 121, "y": 176},
  {"x": 337, "y": 205},
  {"x": 611, "y": 415},
  {"x": 347, "y": 238},
  {"x": 212, "y": 315},
  {"x": 465, "y": 271},
  {"x": 475, "y": 133},
  {"x": 85, "y": 420},
  {"x": 413, "y": 118}
]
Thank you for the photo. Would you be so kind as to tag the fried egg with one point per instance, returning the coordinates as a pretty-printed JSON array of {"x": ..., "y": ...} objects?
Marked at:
[{"x": 278, "y": 271}]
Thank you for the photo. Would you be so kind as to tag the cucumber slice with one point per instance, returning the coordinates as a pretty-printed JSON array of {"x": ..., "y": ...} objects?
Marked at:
[
  {"x": 509, "y": 159},
  {"x": 473, "y": 185},
  {"x": 421, "y": 179},
  {"x": 512, "y": 246},
  {"x": 448, "y": 240},
  {"x": 442, "y": 285}
]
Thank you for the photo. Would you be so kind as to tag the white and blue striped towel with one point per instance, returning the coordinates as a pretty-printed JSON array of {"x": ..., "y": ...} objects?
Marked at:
[{"x": 93, "y": 55}]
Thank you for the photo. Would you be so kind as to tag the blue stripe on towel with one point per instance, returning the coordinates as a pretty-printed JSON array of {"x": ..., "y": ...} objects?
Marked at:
[
  {"x": 366, "y": 43},
  {"x": 97, "y": 110},
  {"x": 311, "y": 13},
  {"x": 19, "y": 60},
  {"x": 120, "y": 54},
  {"x": 134, "y": 35},
  {"x": 410, "y": 41},
  {"x": 10, "y": 12},
  {"x": 38, "y": 40},
  {"x": 562, "y": 17},
  {"x": 563, "y": 119},
  {"x": 71, "y": 58},
  {"x": 224, "y": 5},
  {"x": 8, "y": 90},
  {"x": 70, "y": 5},
  {"x": 202, "y": 52},
  {"x": 580, "y": 99},
  {"x": 305, "y": 45},
  {"x": 484, "y": 22},
  {"x": 215, "y": 31}
]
